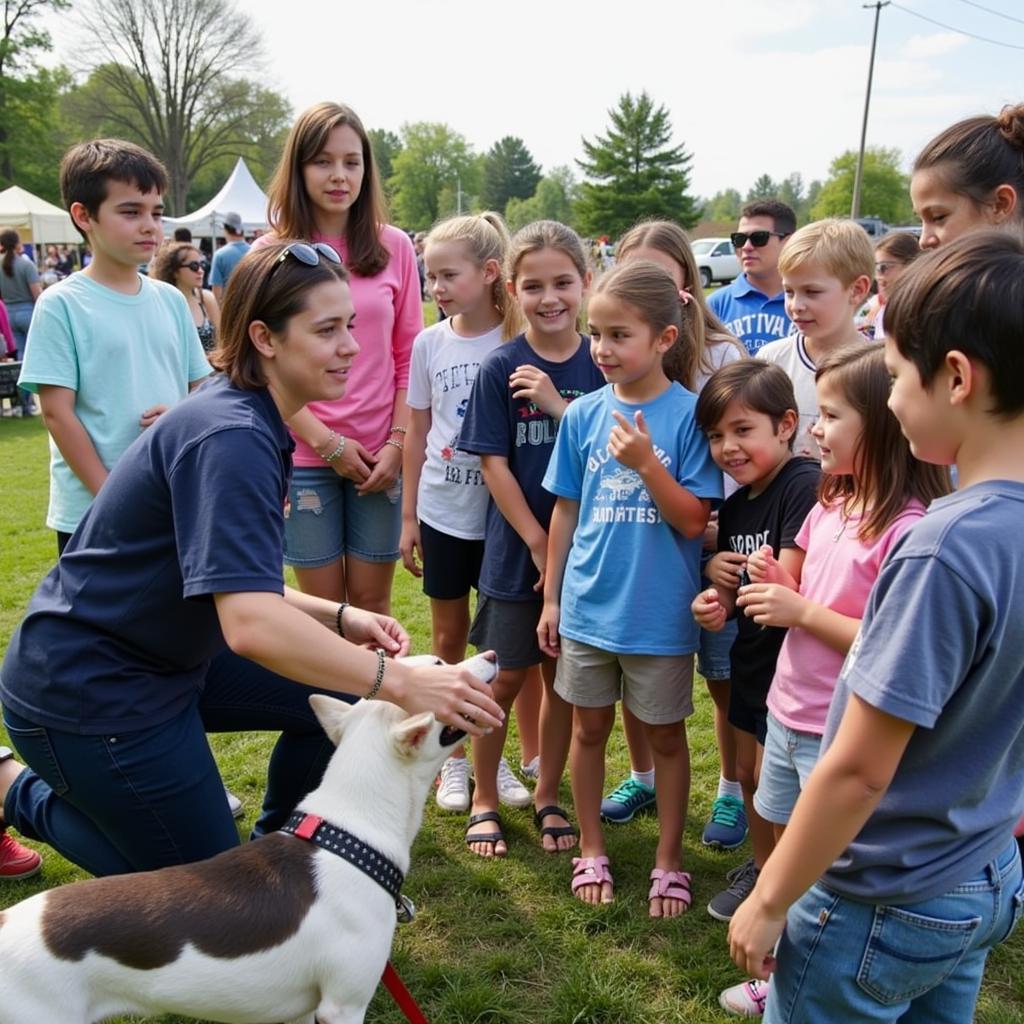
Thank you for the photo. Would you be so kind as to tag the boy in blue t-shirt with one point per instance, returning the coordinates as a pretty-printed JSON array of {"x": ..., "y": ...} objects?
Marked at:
[
  {"x": 108, "y": 350},
  {"x": 898, "y": 871}
]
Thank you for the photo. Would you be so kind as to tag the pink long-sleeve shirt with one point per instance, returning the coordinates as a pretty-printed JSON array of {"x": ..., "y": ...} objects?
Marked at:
[
  {"x": 5, "y": 331},
  {"x": 389, "y": 315}
]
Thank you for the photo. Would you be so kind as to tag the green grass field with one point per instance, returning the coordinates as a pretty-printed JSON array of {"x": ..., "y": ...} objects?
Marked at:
[{"x": 499, "y": 942}]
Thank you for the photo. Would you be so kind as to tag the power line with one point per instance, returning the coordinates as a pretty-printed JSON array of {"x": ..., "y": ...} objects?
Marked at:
[
  {"x": 990, "y": 10},
  {"x": 958, "y": 31}
]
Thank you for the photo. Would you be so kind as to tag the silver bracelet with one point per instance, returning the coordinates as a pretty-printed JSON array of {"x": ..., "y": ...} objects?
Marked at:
[
  {"x": 382, "y": 660},
  {"x": 395, "y": 444},
  {"x": 398, "y": 430},
  {"x": 336, "y": 454}
]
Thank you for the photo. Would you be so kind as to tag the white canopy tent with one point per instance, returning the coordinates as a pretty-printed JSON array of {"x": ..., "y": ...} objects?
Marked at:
[
  {"x": 240, "y": 195},
  {"x": 36, "y": 220}
]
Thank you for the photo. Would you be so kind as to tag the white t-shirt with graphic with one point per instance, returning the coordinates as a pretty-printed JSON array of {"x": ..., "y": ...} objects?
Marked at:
[{"x": 452, "y": 496}]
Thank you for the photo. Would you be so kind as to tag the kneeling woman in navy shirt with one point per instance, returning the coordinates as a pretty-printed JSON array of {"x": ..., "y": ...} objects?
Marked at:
[{"x": 167, "y": 616}]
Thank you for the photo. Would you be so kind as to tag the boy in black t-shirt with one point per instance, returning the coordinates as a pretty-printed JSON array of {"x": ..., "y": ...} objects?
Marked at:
[{"x": 748, "y": 412}]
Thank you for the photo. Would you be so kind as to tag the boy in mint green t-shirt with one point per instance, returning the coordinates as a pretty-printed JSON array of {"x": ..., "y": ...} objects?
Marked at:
[{"x": 108, "y": 350}]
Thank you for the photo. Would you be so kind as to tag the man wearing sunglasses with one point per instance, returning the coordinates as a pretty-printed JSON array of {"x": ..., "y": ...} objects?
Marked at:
[
  {"x": 753, "y": 306},
  {"x": 226, "y": 258}
]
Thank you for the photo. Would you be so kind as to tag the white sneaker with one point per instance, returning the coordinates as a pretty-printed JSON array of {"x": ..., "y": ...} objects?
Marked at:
[
  {"x": 453, "y": 789},
  {"x": 511, "y": 792},
  {"x": 234, "y": 804},
  {"x": 531, "y": 770},
  {"x": 746, "y": 999}
]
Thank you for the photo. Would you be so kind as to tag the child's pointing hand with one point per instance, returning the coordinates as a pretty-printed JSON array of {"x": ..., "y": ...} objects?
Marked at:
[{"x": 630, "y": 443}]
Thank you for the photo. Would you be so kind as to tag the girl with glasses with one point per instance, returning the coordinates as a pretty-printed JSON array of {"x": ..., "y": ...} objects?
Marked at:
[
  {"x": 167, "y": 616},
  {"x": 181, "y": 264},
  {"x": 342, "y": 535},
  {"x": 893, "y": 254}
]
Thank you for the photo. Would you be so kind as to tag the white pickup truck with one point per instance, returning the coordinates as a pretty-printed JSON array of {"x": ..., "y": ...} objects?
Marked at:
[{"x": 716, "y": 260}]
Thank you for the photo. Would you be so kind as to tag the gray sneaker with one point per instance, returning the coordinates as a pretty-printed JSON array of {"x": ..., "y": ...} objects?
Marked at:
[{"x": 725, "y": 904}]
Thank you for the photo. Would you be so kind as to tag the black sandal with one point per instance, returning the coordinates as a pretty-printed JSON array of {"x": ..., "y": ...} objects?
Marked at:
[
  {"x": 495, "y": 837},
  {"x": 554, "y": 831}
]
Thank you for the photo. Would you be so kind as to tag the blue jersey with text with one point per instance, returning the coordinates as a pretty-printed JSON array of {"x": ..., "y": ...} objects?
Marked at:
[
  {"x": 630, "y": 577},
  {"x": 755, "y": 318},
  {"x": 498, "y": 424}
]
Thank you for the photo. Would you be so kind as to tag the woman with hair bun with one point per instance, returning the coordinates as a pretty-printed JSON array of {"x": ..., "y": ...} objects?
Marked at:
[{"x": 971, "y": 176}]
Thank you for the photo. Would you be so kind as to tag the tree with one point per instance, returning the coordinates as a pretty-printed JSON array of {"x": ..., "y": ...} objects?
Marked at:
[
  {"x": 553, "y": 200},
  {"x": 386, "y": 146},
  {"x": 884, "y": 188},
  {"x": 434, "y": 173},
  {"x": 636, "y": 172},
  {"x": 27, "y": 95},
  {"x": 509, "y": 172},
  {"x": 724, "y": 205},
  {"x": 791, "y": 191},
  {"x": 162, "y": 73},
  {"x": 763, "y": 188}
]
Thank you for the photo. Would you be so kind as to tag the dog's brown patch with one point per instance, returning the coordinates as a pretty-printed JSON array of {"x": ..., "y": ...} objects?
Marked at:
[{"x": 243, "y": 901}]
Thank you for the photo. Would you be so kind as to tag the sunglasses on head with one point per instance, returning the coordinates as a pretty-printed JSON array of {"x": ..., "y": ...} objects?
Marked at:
[
  {"x": 310, "y": 253},
  {"x": 194, "y": 265},
  {"x": 758, "y": 239}
]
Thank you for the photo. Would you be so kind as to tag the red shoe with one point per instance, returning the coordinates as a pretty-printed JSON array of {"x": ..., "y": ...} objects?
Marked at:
[{"x": 17, "y": 861}]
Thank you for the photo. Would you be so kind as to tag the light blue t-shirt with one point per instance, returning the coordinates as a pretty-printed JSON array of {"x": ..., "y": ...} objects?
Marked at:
[
  {"x": 225, "y": 259},
  {"x": 630, "y": 577},
  {"x": 121, "y": 354},
  {"x": 755, "y": 318},
  {"x": 942, "y": 646}
]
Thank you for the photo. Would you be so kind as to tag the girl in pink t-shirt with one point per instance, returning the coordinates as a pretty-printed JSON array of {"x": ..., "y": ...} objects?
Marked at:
[
  {"x": 873, "y": 490},
  {"x": 344, "y": 515}
]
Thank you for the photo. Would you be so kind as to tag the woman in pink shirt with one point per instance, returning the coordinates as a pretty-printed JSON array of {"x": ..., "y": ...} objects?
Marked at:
[{"x": 344, "y": 521}]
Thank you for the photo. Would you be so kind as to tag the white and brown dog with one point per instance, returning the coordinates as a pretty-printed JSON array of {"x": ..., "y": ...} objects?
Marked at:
[{"x": 279, "y": 929}]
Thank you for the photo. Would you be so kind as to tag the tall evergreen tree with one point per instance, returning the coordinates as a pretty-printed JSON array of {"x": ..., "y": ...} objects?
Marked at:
[
  {"x": 635, "y": 172},
  {"x": 509, "y": 172},
  {"x": 763, "y": 188}
]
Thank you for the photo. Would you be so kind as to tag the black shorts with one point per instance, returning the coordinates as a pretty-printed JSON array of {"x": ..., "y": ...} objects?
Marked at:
[
  {"x": 451, "y": 565},
  {"x": 509, "y": 628},
  {"x": 748, "y": 711}
]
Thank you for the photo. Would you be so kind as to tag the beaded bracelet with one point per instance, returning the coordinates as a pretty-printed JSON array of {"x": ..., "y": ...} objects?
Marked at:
[
  {"x": 337, "y": 621},
  {"x": 395, "y": 444},
  {"x": 336, "y": 454},
  {"x": 382, "y": 660},
  {"x": 398, "y": 430}
]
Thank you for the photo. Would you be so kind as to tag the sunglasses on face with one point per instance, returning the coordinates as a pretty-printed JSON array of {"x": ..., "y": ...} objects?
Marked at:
[
  {"x": 310, "y": 253},
  {"x": 194, "y": 265},
  {"x": 758, "y": 239}
]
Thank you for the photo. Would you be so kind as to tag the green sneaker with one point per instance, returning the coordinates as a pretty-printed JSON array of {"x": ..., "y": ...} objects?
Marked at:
[{"x": 626, "y": 800}]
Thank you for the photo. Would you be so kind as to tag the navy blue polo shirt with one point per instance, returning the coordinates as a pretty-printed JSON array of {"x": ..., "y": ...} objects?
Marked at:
[{"x": 120, "y": 633}]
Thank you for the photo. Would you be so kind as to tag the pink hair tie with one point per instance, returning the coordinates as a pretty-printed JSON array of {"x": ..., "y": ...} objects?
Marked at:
[{"x": 685, "y": 296}]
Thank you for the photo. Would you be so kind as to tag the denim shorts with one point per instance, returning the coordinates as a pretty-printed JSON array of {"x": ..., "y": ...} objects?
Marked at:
[
  {"x": 916, "y": 963},
  {"x": 657, "y": 688},
  {"x": 789, "y": 759},
  {"x": 328, "y": 519},
  {"x": 713, "y": 652}
]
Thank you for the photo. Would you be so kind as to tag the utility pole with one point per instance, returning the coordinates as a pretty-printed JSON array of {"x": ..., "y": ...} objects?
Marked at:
[{"x": 859, "y": 176}]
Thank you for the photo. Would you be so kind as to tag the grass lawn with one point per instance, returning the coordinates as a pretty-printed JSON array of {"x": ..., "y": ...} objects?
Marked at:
[{"x": 494, "y": 942}]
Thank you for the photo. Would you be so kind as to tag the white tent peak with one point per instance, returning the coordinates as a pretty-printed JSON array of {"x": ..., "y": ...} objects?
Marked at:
[
  {"x": 35, "y": 219},
  {"x": 240, "y": 194}
]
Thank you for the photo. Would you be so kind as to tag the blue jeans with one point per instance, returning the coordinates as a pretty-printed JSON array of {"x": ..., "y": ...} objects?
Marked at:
[
  {"x": 916, "y": 963},
  {"x": 139, "y": 800},
  {"x": 20, "y": 315}
]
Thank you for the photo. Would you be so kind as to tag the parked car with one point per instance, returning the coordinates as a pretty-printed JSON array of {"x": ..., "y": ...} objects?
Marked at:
[{"x": 716, "y": 260}]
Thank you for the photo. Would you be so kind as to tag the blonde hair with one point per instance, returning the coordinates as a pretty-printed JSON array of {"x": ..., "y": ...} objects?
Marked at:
[
  {"x": 541, "y": 234},
  {"x": 842, "y": 247},
  {"x": 672, "y": 240},
  {"x": 486, "y": 238},
  {"x": 649, "y": 289}
]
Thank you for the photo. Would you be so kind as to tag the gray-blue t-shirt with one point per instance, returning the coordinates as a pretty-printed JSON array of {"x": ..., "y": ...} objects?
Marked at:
[
  {"x": 225, "y": 259},
  {"x": 942, "y": 646},
  {"x": 119, "y": 635}
]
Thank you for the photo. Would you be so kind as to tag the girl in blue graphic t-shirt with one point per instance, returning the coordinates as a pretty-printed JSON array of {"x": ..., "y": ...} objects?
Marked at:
[{"x": 635, "y": 483}]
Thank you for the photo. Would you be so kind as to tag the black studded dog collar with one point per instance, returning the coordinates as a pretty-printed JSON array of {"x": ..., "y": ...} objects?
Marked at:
[{"x": 348, "y": 847}]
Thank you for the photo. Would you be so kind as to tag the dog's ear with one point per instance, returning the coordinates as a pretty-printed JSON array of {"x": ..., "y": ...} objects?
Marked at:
[
  {"x": 411, "y": 733},
  {"x": 332, "y": 714}
]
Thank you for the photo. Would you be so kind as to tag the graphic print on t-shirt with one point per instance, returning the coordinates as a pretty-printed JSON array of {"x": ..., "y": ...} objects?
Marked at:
[{"x": 621, "y": 496}]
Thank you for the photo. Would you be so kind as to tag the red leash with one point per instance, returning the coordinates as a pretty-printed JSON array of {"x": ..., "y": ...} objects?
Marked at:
[{"x": 402, "y": 996}]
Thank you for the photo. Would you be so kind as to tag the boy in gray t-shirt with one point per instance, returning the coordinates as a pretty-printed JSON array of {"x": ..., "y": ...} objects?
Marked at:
[{"x": 908, "y": 817}]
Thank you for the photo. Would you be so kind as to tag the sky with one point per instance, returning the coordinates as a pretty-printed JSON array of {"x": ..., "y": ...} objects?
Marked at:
[{"x": 751, "y": 86}]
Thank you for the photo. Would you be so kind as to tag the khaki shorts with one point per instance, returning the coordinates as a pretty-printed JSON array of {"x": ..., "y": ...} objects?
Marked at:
[{"x": 657, "y": 688}]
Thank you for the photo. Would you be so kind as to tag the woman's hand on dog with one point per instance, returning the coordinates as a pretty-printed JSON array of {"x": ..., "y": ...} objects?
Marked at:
[
  {"x": 453, "y": 695},
  {"x": 363, "y": 627}
]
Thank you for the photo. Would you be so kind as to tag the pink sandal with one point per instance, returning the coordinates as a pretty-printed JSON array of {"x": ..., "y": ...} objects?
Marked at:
[
  {"x": 591, "y": 871},
  {"x": 672, "y": 885}
]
